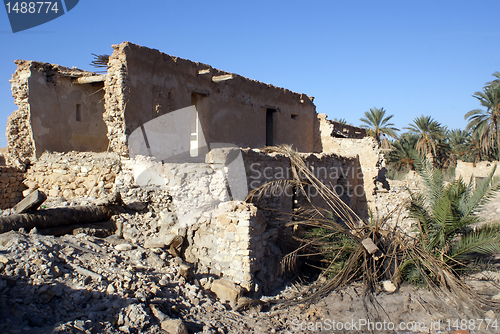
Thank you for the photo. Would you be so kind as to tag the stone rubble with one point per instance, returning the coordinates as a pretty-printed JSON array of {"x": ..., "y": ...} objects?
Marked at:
[
  {"x": 126, "y": 276},
  {"x": 114, "y": 277},
  {"x": 81, "y": 283}
]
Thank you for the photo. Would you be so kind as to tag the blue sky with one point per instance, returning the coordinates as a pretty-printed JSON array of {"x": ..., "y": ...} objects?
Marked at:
[{"x": 410, "y": 57}]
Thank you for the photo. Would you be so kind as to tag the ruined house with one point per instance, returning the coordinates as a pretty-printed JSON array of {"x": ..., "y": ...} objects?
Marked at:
[
  {"x": 191, "y": 121},
  {"x": 62, "y": 109}
]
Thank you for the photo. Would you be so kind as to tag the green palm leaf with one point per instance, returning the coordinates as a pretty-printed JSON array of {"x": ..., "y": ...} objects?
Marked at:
[{"x": 483, "y": 241}]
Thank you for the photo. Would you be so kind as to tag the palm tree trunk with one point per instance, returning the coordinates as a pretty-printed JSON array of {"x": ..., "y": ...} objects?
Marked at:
[{"x": 57, "y": 217}]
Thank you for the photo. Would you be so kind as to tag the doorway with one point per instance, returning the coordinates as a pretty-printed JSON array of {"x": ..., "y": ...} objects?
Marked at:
[
  {"x": 197, "y": 142},
  {"x": 270, "y": 126}
]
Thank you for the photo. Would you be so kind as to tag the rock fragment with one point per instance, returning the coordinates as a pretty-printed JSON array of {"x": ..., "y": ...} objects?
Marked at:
[
  {"x": 174, "y": 326},
  {"x": 123, "y": 247},
  {"x": 226, "y": 291}
]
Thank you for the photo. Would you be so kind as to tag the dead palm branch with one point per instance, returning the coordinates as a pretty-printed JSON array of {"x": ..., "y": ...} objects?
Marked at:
[{"x": 377, "y": 252}]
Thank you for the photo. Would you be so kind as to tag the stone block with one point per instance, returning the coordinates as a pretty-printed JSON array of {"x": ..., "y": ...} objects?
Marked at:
[
  {"x": 30, "y": 202},
  {"x": 80, "y": 191},
  {"x": 54, "y": 193},
  {"x": 224, "y": 220},
  {"x": 174, "y": 326},
  {"x": 67, "y": 193},
  {"x": 226, "y": 290},
  {"x": 160, "y": 242},
  {"x": 223, "y": 156}
]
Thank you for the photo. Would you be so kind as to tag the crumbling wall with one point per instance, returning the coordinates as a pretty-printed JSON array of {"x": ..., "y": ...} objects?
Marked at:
[
  {"x": 342, "y": 174},
  {"x": 57, "y": 112},
  {"x": 73, "y": 174},
  {"x": 11, "y": 186},
  {"x": 222, "y": 238},
  {"x": 237, "y": 245},
  {"x": 325, "y": 129},
  {"x": 239, "y": 241},
  {"x": 371, "y": 159},
  {"x": 21, "y": 145},
  {"x": 117, "y": 94},
  {"x": 143, "y": 84},
  {"x": 339, "y": 130},
  {"x": 392, "y": 204}
]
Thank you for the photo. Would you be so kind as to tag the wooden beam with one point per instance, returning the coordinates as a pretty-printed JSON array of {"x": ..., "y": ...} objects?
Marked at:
[
  {"x": 91, "y": 79},
  {"x": 220, "y": 78}
]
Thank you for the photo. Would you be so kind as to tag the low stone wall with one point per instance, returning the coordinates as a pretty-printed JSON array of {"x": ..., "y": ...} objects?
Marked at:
[
  {"x": 73, "y": 174},
  {"x": 223, "y": 238},
  {"x": 481, "y": 169},
  {"x": 11, "y": 186},
  {"x": 237, "y": 245}
]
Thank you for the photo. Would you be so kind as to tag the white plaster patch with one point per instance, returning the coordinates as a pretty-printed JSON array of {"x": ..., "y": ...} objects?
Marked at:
[{"x": 38, "y": 128}]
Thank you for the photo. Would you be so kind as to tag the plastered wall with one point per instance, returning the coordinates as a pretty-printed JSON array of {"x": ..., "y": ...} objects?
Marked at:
[
  {"x": 54, "y": 114},
  {"x": 233, "y": 110}
]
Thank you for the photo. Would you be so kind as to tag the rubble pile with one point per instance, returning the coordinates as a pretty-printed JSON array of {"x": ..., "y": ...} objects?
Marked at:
[{"x": 87, "y": 282}]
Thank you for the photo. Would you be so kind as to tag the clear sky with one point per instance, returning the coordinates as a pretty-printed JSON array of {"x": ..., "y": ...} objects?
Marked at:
[{"x": 410, "y": 57}]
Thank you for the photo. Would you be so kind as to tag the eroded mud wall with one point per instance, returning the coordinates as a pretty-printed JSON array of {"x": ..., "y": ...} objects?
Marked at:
[
  {"x": 143, "y": 84},
  {"x": 55, "y": 113}
]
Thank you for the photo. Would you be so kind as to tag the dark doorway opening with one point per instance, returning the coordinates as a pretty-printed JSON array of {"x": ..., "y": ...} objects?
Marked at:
[{"x": 270, "y": 124}]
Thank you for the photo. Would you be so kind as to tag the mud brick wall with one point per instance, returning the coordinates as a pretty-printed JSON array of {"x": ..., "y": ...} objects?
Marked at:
[
  {"x": 143, "y": 84},
  {"x": 11, "y": 186},
  {"x": 73, "y": 174}
]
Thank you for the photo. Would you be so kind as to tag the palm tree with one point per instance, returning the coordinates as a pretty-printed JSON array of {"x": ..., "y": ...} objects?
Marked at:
[
  {"x": 430, "y": 133},
  {"x": 378, "y": 125},
  {"x": 486, "y": 122},
  {"x": 402, "y": 155},
  {"x": 444, "y": 215},
  {"x": 474, "y": 150},
  {"x": 465, "y": 146},
  {"x": 458, "y": 140}
]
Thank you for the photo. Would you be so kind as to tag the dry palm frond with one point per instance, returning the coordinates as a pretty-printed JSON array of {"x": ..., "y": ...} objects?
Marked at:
[
  {"x": 402, "y": 253},
  {"x": 100, "y": 61}
]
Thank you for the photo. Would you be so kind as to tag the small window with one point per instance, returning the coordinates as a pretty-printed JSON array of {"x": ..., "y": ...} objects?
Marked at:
[
  {"x": 78, "y": 112},
  {"x": 295, "y": 116}
]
